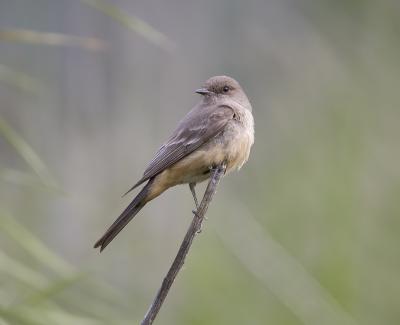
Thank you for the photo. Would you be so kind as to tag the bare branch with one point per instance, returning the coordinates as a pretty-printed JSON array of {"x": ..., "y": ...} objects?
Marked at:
[{"x": 194, "y": 228}]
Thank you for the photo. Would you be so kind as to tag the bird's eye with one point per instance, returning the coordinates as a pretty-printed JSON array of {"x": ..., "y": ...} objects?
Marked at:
[{"x": 225, "y": 89}]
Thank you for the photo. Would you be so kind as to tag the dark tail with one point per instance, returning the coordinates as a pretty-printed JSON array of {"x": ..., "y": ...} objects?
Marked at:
[{"x": 127, "y": 215}]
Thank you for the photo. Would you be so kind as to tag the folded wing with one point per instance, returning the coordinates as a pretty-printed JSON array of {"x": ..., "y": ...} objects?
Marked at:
[{"x": 198, "y": 127}]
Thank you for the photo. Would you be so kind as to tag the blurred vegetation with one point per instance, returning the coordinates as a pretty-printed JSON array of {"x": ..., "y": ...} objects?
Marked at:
[{"x": 306, "y": 233}]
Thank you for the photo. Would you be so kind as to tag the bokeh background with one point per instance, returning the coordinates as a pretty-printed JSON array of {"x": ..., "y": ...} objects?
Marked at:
[{"x": 306, "y": 233}]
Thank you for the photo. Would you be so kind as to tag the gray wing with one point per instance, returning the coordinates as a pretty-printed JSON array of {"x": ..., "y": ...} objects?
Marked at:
[{"x": 199, "y": 126}]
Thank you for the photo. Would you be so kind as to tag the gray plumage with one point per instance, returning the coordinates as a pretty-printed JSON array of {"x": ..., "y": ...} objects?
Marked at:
[{"x": 220, "y": 128}]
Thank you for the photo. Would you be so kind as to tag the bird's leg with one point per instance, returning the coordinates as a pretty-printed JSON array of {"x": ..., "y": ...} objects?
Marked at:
[{"x": 192, "y": 189}]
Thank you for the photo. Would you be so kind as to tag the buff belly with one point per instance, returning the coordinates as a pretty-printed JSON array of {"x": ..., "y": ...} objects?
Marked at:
[{"x": 232, "y": 146}]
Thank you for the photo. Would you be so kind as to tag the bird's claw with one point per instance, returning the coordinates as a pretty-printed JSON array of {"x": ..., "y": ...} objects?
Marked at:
[
  {"x": 214, "y": 167},
  {"x": 197, "y": 215}
]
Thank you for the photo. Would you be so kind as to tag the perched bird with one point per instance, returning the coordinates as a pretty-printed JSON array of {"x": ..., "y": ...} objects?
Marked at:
[{"x": 219, "y": 129}]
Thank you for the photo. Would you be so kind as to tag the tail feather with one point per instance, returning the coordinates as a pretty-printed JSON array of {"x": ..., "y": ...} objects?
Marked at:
[{"x": 127, "y": 215}]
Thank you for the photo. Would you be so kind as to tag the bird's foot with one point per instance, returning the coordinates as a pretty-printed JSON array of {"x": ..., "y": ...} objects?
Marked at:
[
  {"x": 214, "y": 167},
  {"x": 197, "y": 215}
]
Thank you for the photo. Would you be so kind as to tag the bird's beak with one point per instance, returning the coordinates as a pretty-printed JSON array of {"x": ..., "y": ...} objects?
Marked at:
[{"x": 203, "y": 91}]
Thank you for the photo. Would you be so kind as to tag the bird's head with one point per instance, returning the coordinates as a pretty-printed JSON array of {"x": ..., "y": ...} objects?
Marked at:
[{"x": 224, "y": 87}]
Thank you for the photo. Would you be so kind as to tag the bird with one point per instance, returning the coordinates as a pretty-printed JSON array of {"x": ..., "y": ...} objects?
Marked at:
[{"x": 218, "y": 130}]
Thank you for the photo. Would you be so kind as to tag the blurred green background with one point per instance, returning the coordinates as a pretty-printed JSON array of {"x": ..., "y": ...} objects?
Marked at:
[{"x": 306, "y": 233}]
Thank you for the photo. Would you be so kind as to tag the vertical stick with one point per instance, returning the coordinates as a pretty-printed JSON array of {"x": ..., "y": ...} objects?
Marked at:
[{"x": 179, "y": 260}]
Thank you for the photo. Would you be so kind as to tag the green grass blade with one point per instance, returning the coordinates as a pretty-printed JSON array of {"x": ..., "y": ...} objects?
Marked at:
[
  {"x": 51, "y": 39},
  {"x": 48, "y": 292},
  {"x": 20, "y": 80},
  {"x": 278, "y": 271},
  {"x": 4, "y": 322},
  {"x": 133, "y": 23},
  {"x": 44, "y": 316},
  {"x": 27, "y": 153},
  {"x": 34, "y": 246},
  {"x": 21, "y": 273}
]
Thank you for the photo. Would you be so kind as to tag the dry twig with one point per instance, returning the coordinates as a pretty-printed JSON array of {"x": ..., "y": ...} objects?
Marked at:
[{"x": 194, "y": 228}]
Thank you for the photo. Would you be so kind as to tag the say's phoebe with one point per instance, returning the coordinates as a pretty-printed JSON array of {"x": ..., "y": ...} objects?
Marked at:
[{"x": 219, "y": 129}]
